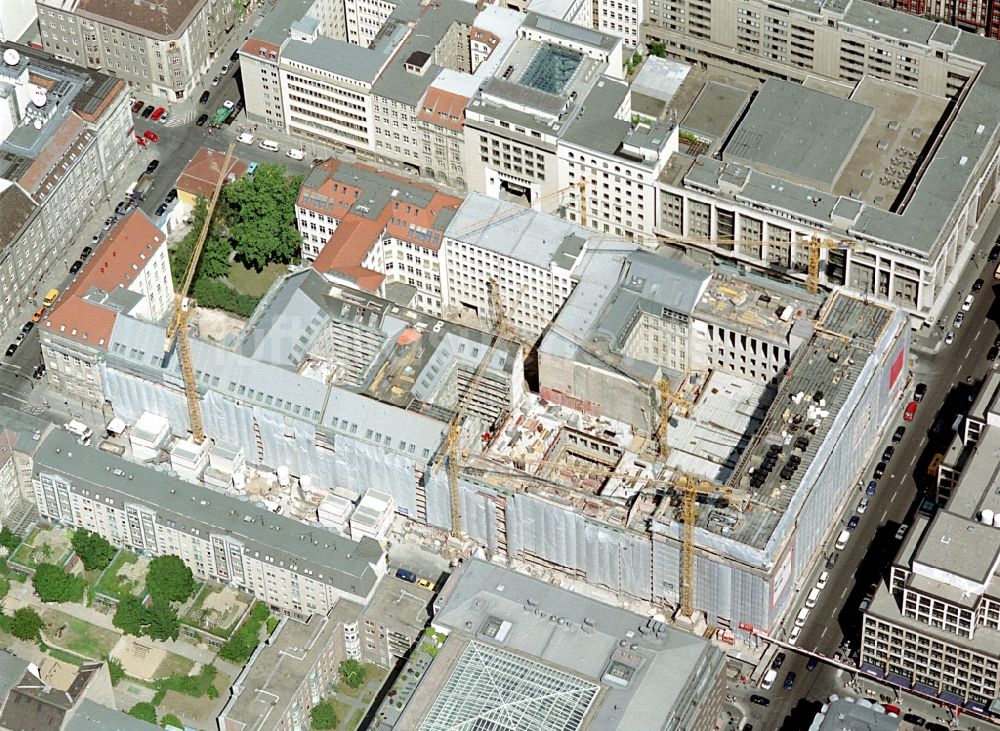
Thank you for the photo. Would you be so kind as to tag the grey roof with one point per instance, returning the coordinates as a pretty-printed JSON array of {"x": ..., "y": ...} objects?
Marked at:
[
  {"x": 716, "y": 109},
  {"x": 842, "y": 714},
  {"x": 659, "y": 78},
  {"x": 526, "y": 235},
  {"x": 11, "y": 669},
  {"x": 595, "y": 125},
  {"x": 342, "y": 563},
  {"x": 960, "y": 546},
  {"x": 29, "y": 428},
  {"x": 805, "y": 133},
  {"x": 534, "y": 99},
  {"x": 571, "y": 31},
  {"x": 343, "y": 58},
  {"x": 275, "y": 23},
  {"x": 582, "y": 636},
  {"x": 91, "y": 716}
]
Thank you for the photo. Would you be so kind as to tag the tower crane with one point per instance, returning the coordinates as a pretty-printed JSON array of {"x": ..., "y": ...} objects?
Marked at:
[
  {"x": 449, "y": 452},
  {"x": 178, "y": 330}
]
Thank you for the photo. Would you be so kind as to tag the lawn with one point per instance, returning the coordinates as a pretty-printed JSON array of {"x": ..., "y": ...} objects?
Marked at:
[
  {"x": 217, "y": 610},
  {"x": 120, "y": 579},
  {"x": 43, "y": 545},
  {"x": 253, "y": 283},
  {"x": 78, "y": 636},
  {"x": 173, "y": 664},
  {"x": 373, "y": 674},
  {"x": 355, "y": 721}
]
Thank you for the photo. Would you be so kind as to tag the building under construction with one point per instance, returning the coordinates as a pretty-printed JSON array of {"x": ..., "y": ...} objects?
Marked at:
[{"x": 581, "y": 496}]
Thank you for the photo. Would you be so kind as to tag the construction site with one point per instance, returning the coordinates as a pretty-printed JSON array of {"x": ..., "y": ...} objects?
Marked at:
[{"x": 689, "y": 433}]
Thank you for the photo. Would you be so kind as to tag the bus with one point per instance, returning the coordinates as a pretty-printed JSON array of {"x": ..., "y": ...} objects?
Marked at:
[{"x": 221, "y": 115}]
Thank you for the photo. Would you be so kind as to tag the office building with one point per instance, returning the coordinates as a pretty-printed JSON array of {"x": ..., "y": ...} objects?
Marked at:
[
  {"x": 64, "y": 142},
  {"x": 160, "y": 47},
  {"x": 128, "y": 273},
  {"x": 978, "y": 17},
  {"x": 935, "y": 628},
  {"x": 569, "y": 659},
  {"x": 393, "y": 622},
  {"x": 16, "y": 18},
  {"x": 298, "y": 572}
]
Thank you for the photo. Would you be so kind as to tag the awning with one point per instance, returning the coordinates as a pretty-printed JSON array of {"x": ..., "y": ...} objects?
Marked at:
[
  {"x": 955, "y": 700},
  {"x": 975, "y": 707},
  {"x": 924, "y": 689},
  {"x": 896, "y": 679},
  {"x": 869, "y": 669}
]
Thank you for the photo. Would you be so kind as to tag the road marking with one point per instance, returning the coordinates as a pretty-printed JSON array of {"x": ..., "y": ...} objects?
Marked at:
[
  {"x": 978, "y": 333},
  {"x": 913, "y": 461},
  {"x": 883, "y": 516},
  {"x": 922, "y": 443},
  {"x": 825, "y": 628},
  {"x": 893, "y": 498},
  {"x": 843, "y": 593}
]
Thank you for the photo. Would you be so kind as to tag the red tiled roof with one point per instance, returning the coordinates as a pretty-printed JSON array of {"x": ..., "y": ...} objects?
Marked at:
[
  {"x": 347, "y": 248},
  {"x": 82, "y": 321},
  {"x": 261, "y": 49},
  {"x": 200, "y": 176},
  {"x": 54, "y": 149},
  {"x": 447, "y": 109}
]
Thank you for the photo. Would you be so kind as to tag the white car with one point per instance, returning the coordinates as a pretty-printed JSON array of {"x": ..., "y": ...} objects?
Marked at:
[
  {"x": 949, "y": 338},
  {"x": 215, "y": 81},
  {"x": 902, "y": 531},
  {"x": 793, "y": 636},
  {"x": 246, "y": 138},
  {"x": 224, "y": 70},
  {"x": 823, "y": 578},
  {"x": 959, "y": 319},
  {"x": 967, "y": 305},
  {"x": 296, "y": 154},
  {"x": 863, "y": 505}
]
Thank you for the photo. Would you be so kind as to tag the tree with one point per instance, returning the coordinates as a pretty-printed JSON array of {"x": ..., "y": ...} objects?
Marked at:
[
  {"x": 658, "y": 49},
  {"x": 157, "y": 621},
  {"x": 262, "y": 216},
  {"x": 26, "y": 624},
  {"x": 9, "y": 540},
  {"x": 214, "y": 261},
  {"x": 171, "y": 720},
  {"x": 115, "y": 670},
  {"x": 169, "y": 579},
  {"x": 144, "y": 711},
  {"x": 129, "y": 616},
  {"x": 94, "y": 551},
  {"x": 322, "y": 716},
  {"x": 4, "y": 588},
  {"x": 54, "y": 585},
  {"x": 352, "y": 672}
]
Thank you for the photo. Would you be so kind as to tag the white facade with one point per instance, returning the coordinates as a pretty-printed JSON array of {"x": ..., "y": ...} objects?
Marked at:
[
  {"x": 621, "y": 18},
  {"x": 155, "y": 283},
  {"x": 373, "y": 516},
  {"x": 327, "y": 106},
  {"x": 16, "y": 16},
  {"x": 365, "y": 18}
]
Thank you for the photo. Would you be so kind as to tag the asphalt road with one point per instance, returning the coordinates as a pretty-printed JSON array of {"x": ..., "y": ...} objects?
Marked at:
[{"x": 953, "y": 375}]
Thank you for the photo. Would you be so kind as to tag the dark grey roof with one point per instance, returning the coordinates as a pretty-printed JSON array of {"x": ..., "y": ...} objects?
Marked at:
[
  {"x": 91, "y": 716},
  {"x": 16, "y": 211},
  {"x": 344, "y": 564},
  {"x": 571, "y": 31},
  {"x": 343, "y": 58}
]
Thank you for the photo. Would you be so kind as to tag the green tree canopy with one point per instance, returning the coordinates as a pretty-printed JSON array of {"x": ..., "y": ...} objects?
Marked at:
[
  {"x": 54, "y": 585},
  {"x": 94, "y": 551},
  {"x": 168, "y": 579},
  {"x": 144, "y": 711},
  {"x": 214, "y": 261},
  {"x": 322, "y": 716},
  {"x": 262, "y": 216},
  {"x": 157, "y": 621},
  {"x": 171, "y": 720},
  {"x": 352, "y": 672},
  {"x": 4, "y": 588},
  {"x": 26, "y": 624},
  {"x": 9, "y": 539}
]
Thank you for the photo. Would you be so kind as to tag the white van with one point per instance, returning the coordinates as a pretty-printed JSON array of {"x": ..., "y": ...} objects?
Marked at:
[
  {"x": 811, "y": 599},
  {"x": 269, "y": 145},
  {"x": 823, "y": 578},
  {"x": 842, "y": 540},
  {"x": 769, "y": 678},
  {"x": 246, "y": 138},
  {"x": 80, "y": 430},
  {"x": 296, "y": 154},
  {"x": 793, "y": 636},
  {"x": 800, "y": 621}
]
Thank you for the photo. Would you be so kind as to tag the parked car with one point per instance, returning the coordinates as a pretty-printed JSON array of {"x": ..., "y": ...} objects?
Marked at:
[
  {"x": 879, "y": 470},
  {"x": 760, "y": 700},
  {"x": 992, "y": 353},
  {"x": 897, "y": 436},
  {"x": 977, "y": 285},
  {"x": 949, "y": 338},
  {"x": 224, "y": 70},
  {"x": 252, "y": 168},
  {"x": 201, "y": 120},
  {"x": 151, "y": 136},
  {"x": 235, "y": 56},
  {"x": 85, "y": 252},
  {"x": 959, "y": 319},
  {"x": 913, "y": 718},
  {"x": 27, "y": 327},
  {"x": 967, "y": 304},
  {"x": 910, "y": 411},
  {"x": 853, "y": 522},
  {"x": 39, "y": 371},
  {"x": 204, "y": 96},
  {"x": 75, "y": 266},
  {"x": 229, "y": 104},
  {"x": 937, "y": 426},
  {"x": 831, "y": 560},
  {"x": 153, "y": 164},
  {"x": 95, "y": 239},
  {"x": 862, "y": 506},
  {"x": 39, "y": 314},
  {"x": 11, "y": 349},
  {"x": 919, "y": 392},
  {"x": 147, "y": 111},
  {"x": 406, "y": 575},
  {"x": 865, "y": 603},
  {"x": 215, "y": 81},
  {"x": 789, "y": 681},
  {"x": 109, "y": 222},
  {"x": 136, "y": 106},
  {"x": 872, "y": 487},
  {"x": 157, "y": 113},
  {"x": 994, "y": 253},
  {"x": 161, "y": 209},
  {"x": 901, "y": 531},
  {"x": 426, "y": 584},
  {"x": 171, "y": 196},
  {"x": 824, "y": 577},
  {"x": 778, "y": 661},
  {"x": 811, "y": 665},
  {"x": 888, "y": 452}
]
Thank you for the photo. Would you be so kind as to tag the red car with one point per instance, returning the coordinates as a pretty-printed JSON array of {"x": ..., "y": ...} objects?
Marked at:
[
  {"x": 158, "y": 113},
  {"x": 151, "y": 136},
  {"x": 137, "y": 106},
  {"x": 910, "y": 412}
]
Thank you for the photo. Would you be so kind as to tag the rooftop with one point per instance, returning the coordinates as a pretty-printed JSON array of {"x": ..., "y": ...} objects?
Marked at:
[
  {"x": 346, "y": 565},
  {"x": 200, "y": 176},
  {"x": 612, "y": 668},
  {"x": 162, "y": 19}
]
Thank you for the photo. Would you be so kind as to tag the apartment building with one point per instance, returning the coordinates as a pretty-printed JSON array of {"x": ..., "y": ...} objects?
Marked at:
[
  {"x": 393, "y": 622},
  {"x": 64, "y": 139},
  {"x": 128, "y": 273},
  {"x": 878, "y": 185},
  {"x": 160, "y": 48},
  {"x": 973, "y": 16},
  {"x": 16, "y": 17},
  {"x": 935, "y": 627},
  {"x": 533, "y": 258},
  {"x": 370, "y": 229},
  {"x": 20, "y": 434},
  {"x": 622, "y": 18},
  {"x": 219, "y": 537}
]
